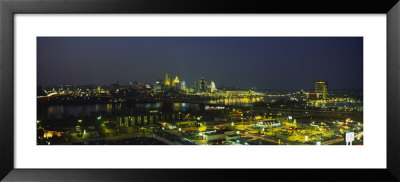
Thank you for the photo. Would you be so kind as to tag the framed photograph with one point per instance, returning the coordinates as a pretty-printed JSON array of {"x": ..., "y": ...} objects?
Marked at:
[{"x": 131, "y": 90}]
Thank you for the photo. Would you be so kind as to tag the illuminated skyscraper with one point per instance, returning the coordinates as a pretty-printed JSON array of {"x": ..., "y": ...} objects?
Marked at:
[
  {"x": 158, "y": 86},
  {"x": 167, "y": 80},
  {"x": 202, "y": 85},
  {"x": 321, "y": 89},
  {"x": 175, "y": 82},
  {"x": 212, "y": 85},
  {"x": 196, "y": 86},
  {"x": 183, "y": 85}
]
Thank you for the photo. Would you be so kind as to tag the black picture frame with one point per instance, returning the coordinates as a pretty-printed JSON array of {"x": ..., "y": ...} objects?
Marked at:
[{"x": 8, "y": 8}]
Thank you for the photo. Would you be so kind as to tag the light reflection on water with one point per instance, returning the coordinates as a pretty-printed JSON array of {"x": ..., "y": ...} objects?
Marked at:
[
  {"x": 60, "y": 111},
  {"x": 246, "y": 101}
]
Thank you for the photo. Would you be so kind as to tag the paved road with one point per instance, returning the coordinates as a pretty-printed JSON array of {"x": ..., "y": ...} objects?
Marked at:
[{"x": 265, "y": 139}]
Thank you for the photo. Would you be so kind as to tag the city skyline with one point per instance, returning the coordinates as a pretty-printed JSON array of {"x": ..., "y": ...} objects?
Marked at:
[
  {"x": 84, "y": 61},
  {"x": 200, "y": 91}
]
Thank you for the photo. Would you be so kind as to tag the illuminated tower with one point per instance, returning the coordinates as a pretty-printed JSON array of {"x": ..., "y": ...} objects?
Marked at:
[
  {"x": 175, "y": 82},
  {"x": 321, "y": 89},
  {"x": 183, "y": 85},
  {"x": 212, "y": 85},
  {"x": 202, "y": 85},
  {"x": 157, "y": 86},
  {"x": 167, "y": 80}
]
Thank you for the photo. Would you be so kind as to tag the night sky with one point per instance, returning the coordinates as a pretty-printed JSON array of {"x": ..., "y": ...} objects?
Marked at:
[{"x": 262, "y": 62}]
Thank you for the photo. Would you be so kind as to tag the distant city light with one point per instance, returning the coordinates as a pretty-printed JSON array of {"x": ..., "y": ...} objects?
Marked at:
[{"x": 171, "y": 111}]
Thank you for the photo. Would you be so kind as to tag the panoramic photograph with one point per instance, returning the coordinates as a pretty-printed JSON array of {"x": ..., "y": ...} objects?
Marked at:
[{"x": 199, "y": 91}]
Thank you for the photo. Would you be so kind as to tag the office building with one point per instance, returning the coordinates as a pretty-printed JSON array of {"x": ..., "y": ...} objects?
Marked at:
[
  {"x": 183, "y": 85},
  {"x": 167, "y": 80},
  {"x": 212, "y": 86},
  {"x": 321, "y": 89},
  {"x": 175, "y": 82}
]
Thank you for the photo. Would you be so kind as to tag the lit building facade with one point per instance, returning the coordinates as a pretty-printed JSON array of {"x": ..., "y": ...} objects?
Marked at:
[
  {"x": 175, "y": 82},
  {"x": 212, "y": 86},
  {"x": 167, "y": 80},
  {"x": 321, "y": 89},
  {"x": 158, "y": 86},
  {"x": 183, "y": 85},
  {"x": 201, "y": 86}
]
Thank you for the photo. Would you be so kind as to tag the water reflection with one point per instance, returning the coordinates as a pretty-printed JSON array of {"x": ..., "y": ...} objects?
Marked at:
[
  {"x": 245, "y": 101},
  {"x": 62, "y": 111}
]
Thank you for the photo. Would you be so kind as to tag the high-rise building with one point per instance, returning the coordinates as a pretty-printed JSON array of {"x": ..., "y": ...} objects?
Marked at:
[
  {"x": 157, "y": 86},
  {"x": 321, "y": 89},
  {"x": 175, "y": 82},
  {"x": 167, "y": 80},
  {"x": 196, "y": 86},
  {"x": 183, "y": 85},
  {"x": 202, "y": 85},
  {"x": 212, "y": 86}
]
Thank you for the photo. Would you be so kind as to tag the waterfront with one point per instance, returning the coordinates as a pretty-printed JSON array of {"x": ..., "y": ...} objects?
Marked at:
[
  {"x": 200, "y": 91},
  {"x": 244, "y": 121}
]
